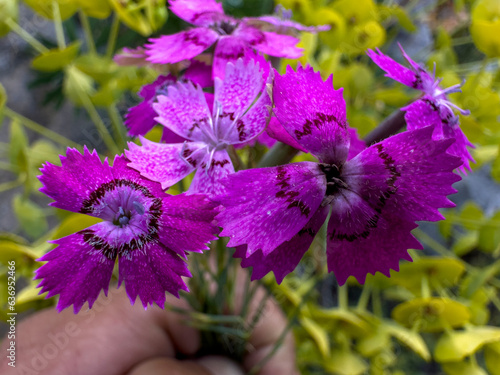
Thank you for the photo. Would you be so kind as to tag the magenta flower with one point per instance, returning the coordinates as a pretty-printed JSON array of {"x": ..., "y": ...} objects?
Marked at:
[
  {"x": 234, "y": 38},
  {"x": 272, "y": 214},
  {"x": 147, "y": 230},
  {"x": 140, "y": 119},
  {"x": 239, "y": 115},
  {"x": 433, "y": 108}
]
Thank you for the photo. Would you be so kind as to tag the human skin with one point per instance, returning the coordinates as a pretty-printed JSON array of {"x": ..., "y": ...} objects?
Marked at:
[{"x": 116, "y": 338}]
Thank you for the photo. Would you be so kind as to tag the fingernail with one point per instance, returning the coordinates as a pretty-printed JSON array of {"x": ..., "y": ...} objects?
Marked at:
[{"x": 219, "y": 365}]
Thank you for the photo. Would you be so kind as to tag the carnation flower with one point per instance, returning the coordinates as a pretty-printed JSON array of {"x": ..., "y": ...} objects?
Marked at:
[
  {"x": 273, "y": 214},
  {"x": 235, "y": 38},
  {"x": 140, "y": 119},
  {"x": 433, "y": 108},
  {"x": 239, "y": 115},
  {"x": 147, "y": 230}
]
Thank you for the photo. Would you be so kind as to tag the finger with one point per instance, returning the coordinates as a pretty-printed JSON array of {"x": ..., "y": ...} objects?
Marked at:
[
  {"x": 108, "y": 339},
  {"x": 265, "y": 336},
  {"x": 202, "y": 366}
]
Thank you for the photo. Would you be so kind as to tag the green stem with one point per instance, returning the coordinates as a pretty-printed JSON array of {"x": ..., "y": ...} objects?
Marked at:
[
  {"x": 437, "y": 247},
  {"x": 113, "y": 35},
  {"x": 14, "y": 26},
  {"x": 30, "y": 124},
  {"x": 364, "y": 297},
  {"x": 291, "y": 320},
  {"x": 99, "y": 124},
  {"x": 11, "y": 184},
  {"x": 279, "y": 154},
  {"x": 424, "y": 287},
  {"x": 6, "y": 166},
  {"x": 87, "y": 31},
  {"x": 376, "y": 302},
  {"x": 56, "y": 13},
  {"x": 343, "y": 298},
  {"x": 118, "y": 128}
]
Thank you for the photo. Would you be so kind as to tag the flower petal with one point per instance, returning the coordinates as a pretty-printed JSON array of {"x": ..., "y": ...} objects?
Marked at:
[
  {"x": 270, "y": 43},
  {"x": 185, "y": 111},
  {"x": 76, "y": 271},
  {"x": 392, "y": 184},
  {"x": 212, "y": 170},
  {"x": 278, "y": 132},
  {"x": 165, "y": 163},
  {"x": 395, "y": 70},
  {"x": 192, "y": 10},
  {"x": 187, "y": 223},
  {"x": 356, "y": 145},
  {"x": 181, "y": 46},
  {"x": 242, "y": 84},
  {"x": 150, "y": 272},
  {"x": 240, "y": 116},
  {"x": 349, "y": 253},
  {"x": 285, "y": 258},
  {"x": 313, "y": 113},
  {"x": 199, "y": 73},
  {"x": 268, "y": 206},
  {"x": 425, "y": 112},
  {"x": 71, "y": 184},
  {"x": 229, "y": 48},
  {"x": 140, "y": 119}
]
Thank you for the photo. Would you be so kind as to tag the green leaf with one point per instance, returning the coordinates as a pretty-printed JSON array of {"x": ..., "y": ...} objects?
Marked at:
[
  {"x": 29, "y": 294},
  {"x": 3, "y": 101},
  {"x": 495, "y": 168},
  {"x": 74, "y": 223},
  {"x": 400, "y": 14},
  {"x": 408, "y": 337},
  {"x": 431, "y": 314},
  {"x": 318, "y": 334},
  {"x": 455, "y": 346},
  {"x": 30, "y": 217},
  {"x": 95, "y": 8},
  {"x": 471, "y": 216},
  {"x": 485, "y": 27},
  {"x": 145, "y": 23},
  {"x": 18, "y": 147},
  {"x": 100, "y": 68},
  {"x": 77, "y": 84},
  {"x": 489, "y": 234},
  {"x": 373, "y": 343},
  {"x": 441, "y": 272},
  {"x": 44, "y": 7},
  {"x": 492, "y": 358},
  {"x": 327, "y": 16},
  {"x": 466, "y": 243},
  {"x": 345, "y": 362},
  {"x": 56, "y": 59},
  {"x": 10, "y": 250},
  {"x": 462, "y": 368},
  {"x": 8, "y": 10},
  {"x": 477, "y": 278}
]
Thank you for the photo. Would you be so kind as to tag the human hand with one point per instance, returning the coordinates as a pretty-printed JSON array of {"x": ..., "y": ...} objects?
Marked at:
[{"x": 115, "y": 338}]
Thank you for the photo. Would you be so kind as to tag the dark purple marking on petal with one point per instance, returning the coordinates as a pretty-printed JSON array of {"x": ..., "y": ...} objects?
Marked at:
[
  {"x": 88, "y": 204},
  {"x": 283, "y": 183},
  {"x": 193, "y": 38},
  {"x": 220, "y": 163},
  {"x": 321, "y": 118},
  {"x": 101, "y": 244}
]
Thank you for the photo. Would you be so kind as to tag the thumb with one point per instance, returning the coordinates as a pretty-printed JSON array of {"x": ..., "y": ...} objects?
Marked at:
[{"x": 211, "y": 365}]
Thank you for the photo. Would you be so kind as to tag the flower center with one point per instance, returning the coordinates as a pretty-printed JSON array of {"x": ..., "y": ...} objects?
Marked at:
[
  {"x": 334, "y": 181},
  {"x": 122, "y": 218},
  {"x": 224, "y": 27}
]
